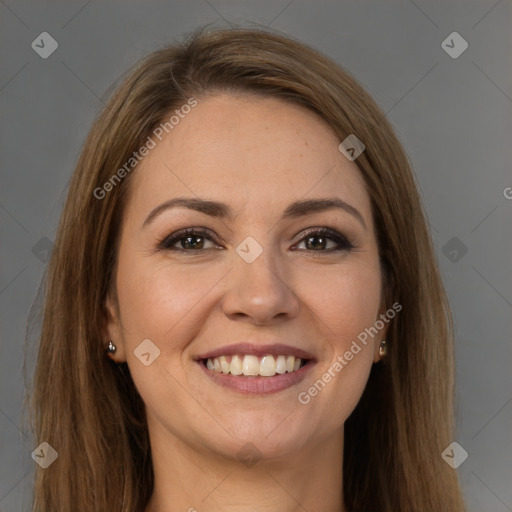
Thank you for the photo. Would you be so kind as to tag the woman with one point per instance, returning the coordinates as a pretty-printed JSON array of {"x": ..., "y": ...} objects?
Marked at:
[{"x": 243, "y": 309}]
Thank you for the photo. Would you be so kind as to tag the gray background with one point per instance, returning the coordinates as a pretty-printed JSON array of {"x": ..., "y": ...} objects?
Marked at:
[{"x": 452, "y": 115}]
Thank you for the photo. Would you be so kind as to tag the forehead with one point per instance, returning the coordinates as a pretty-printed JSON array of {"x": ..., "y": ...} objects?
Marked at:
[{"x": 248, "y": 151}]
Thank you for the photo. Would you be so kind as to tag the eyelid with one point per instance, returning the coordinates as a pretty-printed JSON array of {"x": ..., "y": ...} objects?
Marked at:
[
  {"x": 335, "y": 235},
  {"x": 169, "y": 240},
  {"x": 343, "y": 242}
]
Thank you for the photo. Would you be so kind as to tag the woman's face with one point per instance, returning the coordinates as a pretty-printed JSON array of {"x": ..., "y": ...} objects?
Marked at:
[{"x": 254, "y": 274}]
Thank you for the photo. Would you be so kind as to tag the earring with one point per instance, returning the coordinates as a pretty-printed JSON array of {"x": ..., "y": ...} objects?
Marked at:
[
  {"x": 383, "y": 348},
  {"x": 111, "y": 348}
]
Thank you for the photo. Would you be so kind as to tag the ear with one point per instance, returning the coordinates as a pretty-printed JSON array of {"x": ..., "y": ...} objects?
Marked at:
[
  {"x": 112, "y": 328},
  {"x": 382, "y": 322},
  {"x": 384, "y": 316}
]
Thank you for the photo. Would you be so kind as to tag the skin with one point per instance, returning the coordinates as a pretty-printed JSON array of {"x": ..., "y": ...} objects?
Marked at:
[{"x": 257, "y": 155}]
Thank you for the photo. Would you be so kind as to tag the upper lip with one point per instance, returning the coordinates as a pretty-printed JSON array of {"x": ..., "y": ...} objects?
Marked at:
[{"x": 259, "y": 350}]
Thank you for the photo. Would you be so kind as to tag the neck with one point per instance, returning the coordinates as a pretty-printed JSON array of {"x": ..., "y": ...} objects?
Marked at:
[{"x": 188, "y": 480}]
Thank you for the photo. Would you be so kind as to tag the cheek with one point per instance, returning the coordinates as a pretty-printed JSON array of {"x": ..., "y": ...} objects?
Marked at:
[
  {"x": 157, "y": 301},
  {"x": 345, "y": 302},
  {"x": 167, "y": 307}
]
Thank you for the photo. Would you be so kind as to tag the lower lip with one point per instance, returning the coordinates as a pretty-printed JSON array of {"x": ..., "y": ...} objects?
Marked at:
[{"x": 257, "y": 384}]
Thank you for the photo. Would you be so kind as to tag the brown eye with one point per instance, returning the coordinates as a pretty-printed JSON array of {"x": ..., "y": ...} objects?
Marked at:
[
  {"x": 188, "y": 240},
  {"x": 319, "y": 240},
  {"x": 191, "y": 242}
]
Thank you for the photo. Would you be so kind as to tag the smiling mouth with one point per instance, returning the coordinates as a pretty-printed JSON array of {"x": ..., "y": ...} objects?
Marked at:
[{"x": 253, "y": 366}]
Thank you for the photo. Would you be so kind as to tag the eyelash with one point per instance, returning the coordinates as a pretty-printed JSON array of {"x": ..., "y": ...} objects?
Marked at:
[{"x": 167, "y": 243}]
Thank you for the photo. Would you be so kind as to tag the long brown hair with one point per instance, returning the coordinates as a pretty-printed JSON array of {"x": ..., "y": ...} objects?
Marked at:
[{"x": 88, "y": 408}]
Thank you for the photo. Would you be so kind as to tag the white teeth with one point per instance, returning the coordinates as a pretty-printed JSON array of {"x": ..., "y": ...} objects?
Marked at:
[
  {"x": 267, "y": 366},
  {"x": 281, "y": 364},
  {"x": 224, "y": 364},
  {"x": 251, "y": 365},
  {"x": 235, "y": 366}
]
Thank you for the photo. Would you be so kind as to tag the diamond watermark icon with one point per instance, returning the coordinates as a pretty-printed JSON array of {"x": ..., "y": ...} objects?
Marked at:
[
  {"x": 146, "y": 352},
  {"x": 249, "y": 249},
  {"x": 42, "y": 249},
  {"x": 44, "y": 455},
  {"x": 454, "y": 45},
  {"x": 454, "y": 249},
  {"x": 454, "y": 455},
  {"x": 351, "y": 147},
  {"x": 44, "y": 45},
  {"x": 249, "y": 454}
]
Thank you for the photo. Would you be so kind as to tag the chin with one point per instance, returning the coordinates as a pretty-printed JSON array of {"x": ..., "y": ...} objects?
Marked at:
[{"x": 267, "y": 438}]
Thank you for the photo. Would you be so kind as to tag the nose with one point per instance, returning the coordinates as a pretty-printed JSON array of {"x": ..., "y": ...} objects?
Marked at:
[{"x": 259, "y": 292}]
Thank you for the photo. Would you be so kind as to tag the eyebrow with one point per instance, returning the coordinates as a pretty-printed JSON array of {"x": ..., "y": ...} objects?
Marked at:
[{"x": 221, "y": 210}]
